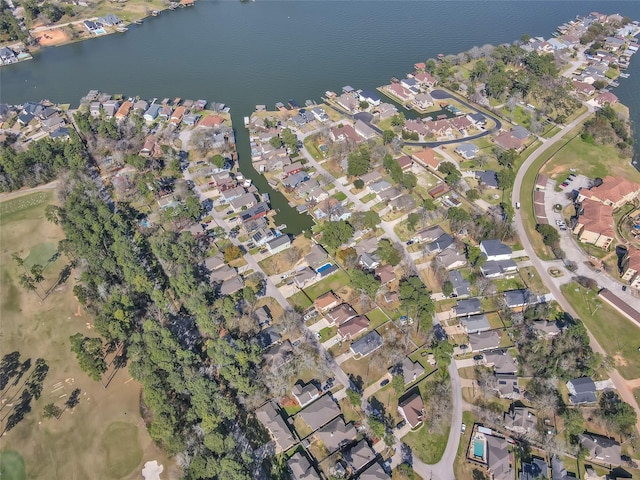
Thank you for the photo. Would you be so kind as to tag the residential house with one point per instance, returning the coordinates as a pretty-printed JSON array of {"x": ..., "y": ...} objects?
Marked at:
[
  {"x": 253, "y": 213},
  {"x": 487, "y": 178},
  {"x": 520, "y": 298},
  {"x": 425, "y": 79},
  {"x": 326, "y": 302},
  {"x": 547, "y": 329},
  {"x": 374, "y": 472},
  {"x": 405, "y": 162},
  {"x": 344, "y": 133},
  {"x": 386, "y": 274},
  {"x": 348, "y": 102},
  {"x": 439, "y": 128},
  {"x": 415, "y": 126},
  {"x": 278, "y": 244},
  {"x": 601, "y": 449},
  {"x": 295, "y": 179},
  {"x": 110, "y": 20},
  {"x": 475, "y": 323},
  {"x": 429, "y": 235},
  {"x": 190, "y": 119},
  {"x": 389, "y": 194},
  {"x": 293, "y": 168},
  {"x": 481, "y": 341},
  {"x": 451, "y": 258},
  {"x": 231, "y": 194},
  {"x": 386, "y": 110},
  {"x": 499, "y": 268},
  {"x": 353, "y": 327},
  {"x": 123, "y": 110},
  {"x": 478, "y": 120},
  {"x": 498, "y": 458},
  {"x": 319, "y": 114},
  {"x": 335, "y": 434},
  {"x": 468, "y": 306},
  {"x": 110, "y": 108},
  {"x": 584, "y": 88},
  {"x": 412, "y": 409},
  {"x": 558, "y": 470},
  {"x": 630, "y": 265},
  {"x": 441, "y": 243},
  {"x": 595, "y": 224},
  {"x": 606, "y": 98},
  {"x": 426, "y": 157},
  {"x": 370, "y": 261},
  {"x": 520, "y": 420},
  {"x": 460, "y": 284},
  {"x": 318, "y": 256},
  {"x": 372, "y": 98},
  {"x": 614, "y": 191},
  {"x": 581, "y": 390},
  {"x": 358, "y": 456},
  {"x": 152, "y": 113},
  {"x": 92, "y": 27},
  {"x": 304, "y": 276},
  {"x": 507, "y": 141},
  {"x": 462, "y": 124},
  {"x": 508, "y": 386},
  {"x": 222, "y": 274},
  {"x": 340, "y": 314},
  {"x": 278, "y": 355},
  {"x": 246, "y": 200},
  {"x": 538, "y": 468},
  {"x": 140, "y": 106},
  {"x": 211, "y": 121},
  {"x": 305, "y": 394},
  {"x": 467, "y": 150},
  {"x": 52, "y": 123},
  {"x": 231, "y": 286},
  {"x": 61, "y": 133},
  {"x": 270, "y": 417},
  {"x": 399, "y": 91},
  {"x": 95, "y": 109},
  {"x": 502, "y": 362},
  {"x": 150, "y": 148},
  {"x": 366, "y": 344},
  {"x": 300, "y": 467},
  {"x": 411, "y": 370},
  {"x": 262, "y": 316},
  {"x": 320, "y": 412},
  {"x": 261, "y": 235},
  {"x": 364, "y": 130},
  {"x": 178, "y": 113}
]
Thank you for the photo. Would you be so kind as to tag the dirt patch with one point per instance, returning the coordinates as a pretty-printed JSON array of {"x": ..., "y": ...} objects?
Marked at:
[
  {"x": 49, "y": 38},
  {"x": 620, "y": 360}
]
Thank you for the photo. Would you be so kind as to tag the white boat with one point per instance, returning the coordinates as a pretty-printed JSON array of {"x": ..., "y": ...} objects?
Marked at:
[{"x": 246, "y": 122}]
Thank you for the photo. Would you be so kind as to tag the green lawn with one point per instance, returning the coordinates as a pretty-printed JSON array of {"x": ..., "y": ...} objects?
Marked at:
[
  {"x": 332, "y": 282},
  {"x": 327, "y": 333},
  {"x": 614, "y": 332},
  {"x": 340, "y": 196},
  {"x": 427, "y": 446},
  {"x": 368, "y": 197},
  {"x": 377, "y": 318},
  {"x": 299, "y": 300},
  {"x": 121, "y": 449},
  {"x": 12, "y": 466}
]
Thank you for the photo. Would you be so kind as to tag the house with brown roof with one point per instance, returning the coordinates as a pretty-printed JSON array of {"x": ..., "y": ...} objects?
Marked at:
[
  {"x": 411, "y": 370},
  {"x": 124, "y": 110},
  {"x": 358, "y": 456},
  {"x": 462, "y": 123},
  {"x": 348, "y": 102},
  {"x": 584, "y": 88},
  {"x": 439, "y": 128},
  {"x": 270, "y": 417},
  {"x": 400, "y": 92},
  {"x": 320, "y": 412},
  {"x": 415, "y": 126},
  {"x": 150, "y": 148},
  {"x": 343, "y": 133},
  {"x": 508, "y": 142},
  {"x": 631, "y": 266},
  {"x": 425, "y": 79},
  {"x": 595, "y": 225},
  {"x": 300, "y": 467},
  {"x": 353, "y": 327},
  {"x": 211, "y": 121},
  {"x": 412, "y": 409},
  {"x": 614, "y": 191},
  {"x": 326, "y": 302},
  {"x": 336, "y": 434},
  {"x": 427, "y": 157},
  {"x": 340, "y": 314},
  {"x": 178, "y": 113},
  {"x": 386, "y": 274},
  {"x": 606, "y": 97},
  {"x": 405, "y": 162}
]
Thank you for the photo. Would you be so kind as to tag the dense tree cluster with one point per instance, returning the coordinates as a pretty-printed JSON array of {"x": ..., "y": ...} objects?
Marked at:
[
  {"x": 607, "y": 127},
  {"x": 9, "y": 27}
]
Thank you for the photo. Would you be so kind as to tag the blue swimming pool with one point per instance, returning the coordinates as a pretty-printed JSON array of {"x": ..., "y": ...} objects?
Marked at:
[
  {"x": 324, "y": 267},
  {"x": 478, "y": 448}
]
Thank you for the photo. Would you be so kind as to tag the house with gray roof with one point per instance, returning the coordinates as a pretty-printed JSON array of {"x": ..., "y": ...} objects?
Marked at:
[
  {"x": 475, "y": 323},
  {"x": 336, "y": 434},
  {"x": 305, "y": 394},
  {"x": 359, "y": 456},
  {"x": 300, "y": 467},
  {"x": 538, "y": 468},
  {"x": 460, "y": 284},
  {"x": 601, "y": 449},
  {"x": 508, "y": 386},
  {"x": 520, "y": 420},
  {"x": 487, "y": 178},
  {"x": 520, "y": 132},
  {"x": 411, "y": 370},
  {"x": 262, "y": 316},
  {"x": 429, "y": 235},
  {"x": 247, "y": 200},
  {"x": 520, "y": 298},
  {"x": 558, "y": 470},
  {"x": 278, "y": 355},
  {"x": 318, "y": 256},
  {"x": 379, "y": 186},
  {"x": 232, "y": 285},
  {"x": 267, "y": 337},
  {"x": 498, "y": 268},
  {"x": 364, "y": 130},
  {"x": 371, "y": 177},
  {"x": 443, "y": 241},
  {"x": 495, "y": 250},
  {"x": 304, "y": 276},
  {"x": 225, "y": 272},
  {"x": 451, "y": 258},
  {"x": 374, "y": 472},
  {"x": 546, "y": 328},
  {"x": 340, "y": 314},
  {"x": 502, "y": 361},
  {"x": 270, "y": 417},
  {"x": 367, "y": 344},
  {"x": 467, "y": 150},
  {"x": 481, "y": 341},
  {"x": 320, "y": 412},
  {"x": 468, "y": 306},
  {"x": 581, "y": 390},
  {"x": 369, "y": 261},
  {"x": 498, "y": 459},
  {"x": 278, "y": 244}
]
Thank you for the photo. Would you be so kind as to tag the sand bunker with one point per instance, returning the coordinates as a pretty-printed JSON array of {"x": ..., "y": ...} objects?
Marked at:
[
  {"x": 152, "y": 470},
  {"x": 56, "y": 36}
]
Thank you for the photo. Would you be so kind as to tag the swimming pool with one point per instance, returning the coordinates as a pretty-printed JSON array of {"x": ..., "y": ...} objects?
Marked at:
[
  {"x": 478, "y": 448},
  {"x": 323, "y": 267}
]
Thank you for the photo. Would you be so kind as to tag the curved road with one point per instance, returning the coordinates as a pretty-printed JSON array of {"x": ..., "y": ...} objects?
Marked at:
[{"x": 541, "y": 267}]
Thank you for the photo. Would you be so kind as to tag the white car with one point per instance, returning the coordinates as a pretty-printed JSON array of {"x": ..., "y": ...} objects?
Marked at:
[{"x": 463, "y": 428}]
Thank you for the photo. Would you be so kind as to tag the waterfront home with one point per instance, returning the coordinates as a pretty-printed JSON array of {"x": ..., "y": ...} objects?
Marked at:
[
  {"x": 425, "y": 79},
  {"x": 606, "y": 98},
  {"x": 274, "y": 423},
  {"x": 110, "y": 107},
  {"x": 364, "y": 130},
  {"x": 110, "y": 20},
  {"x": 292, "y": 181},
  {"x": 300, "y": 468},
  {"x": 92, "y": 27},
  {"x": 178, "y": 113},
  {"x": 124, "y": 110},
  {"x": 95, "y": 109},
  {"x": 211, "y": 121},
  {"x": 278, "y": 244},
  {"x": 7, "y": 56},
  {"x": 410, "y": 83},
  {"x": 293, "y": 168},
  {"x": 386, "y": 110},
  {"x": 152, "y": 113},
  {"x": 319, "y": 114},
  {"x": 336, "y": 434},
  {"x": 343, "y": 133},
  {"x": 348, "y": 102},
  {"x": 412, "y": 409},
  {"x": 140, "y": 106},
  {"x": 613, "y": 191},
  {"x": 317, "y": 195},
  {"x": 400, "y": 92},
  {"x": 253, "y": 213},
  {"x": 306, "y": 187},
  {"x": 467, "y": 150},
  {"x": 191, "y": 119},
  {"x": 370, "y": 97},
  {"x": 165, "y": 112},
  {"x": 423, "y": 101},
  {"x": 262, "y": 235}
]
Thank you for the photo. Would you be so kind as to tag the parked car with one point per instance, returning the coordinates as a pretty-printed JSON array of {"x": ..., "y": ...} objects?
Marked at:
[
  {"x": 401, "y": 425},
  {"x": 384, "y": 382},
  {"x": 477, "y": 358},
  {"x": 463, "y": 428},
  {"x": 410, "y": 242},
  {"x": 229, "y": 212}
]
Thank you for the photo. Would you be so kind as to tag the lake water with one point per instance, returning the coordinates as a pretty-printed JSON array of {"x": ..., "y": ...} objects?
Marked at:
[{"x": 245, "y": 54}]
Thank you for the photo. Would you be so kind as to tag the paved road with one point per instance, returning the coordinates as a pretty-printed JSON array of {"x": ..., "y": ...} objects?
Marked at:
[{"x": 542, "y": 267}]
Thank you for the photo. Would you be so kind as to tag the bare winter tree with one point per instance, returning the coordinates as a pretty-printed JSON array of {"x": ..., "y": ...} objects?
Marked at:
[{"x": 293, "y": 254}]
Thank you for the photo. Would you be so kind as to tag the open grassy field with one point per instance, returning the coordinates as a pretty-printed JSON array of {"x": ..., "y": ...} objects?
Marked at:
[
  {"x": 104, "y": 435},
  {"x": 617, "y": 335}
]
